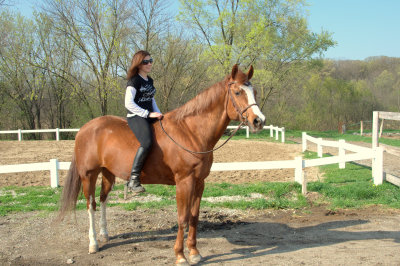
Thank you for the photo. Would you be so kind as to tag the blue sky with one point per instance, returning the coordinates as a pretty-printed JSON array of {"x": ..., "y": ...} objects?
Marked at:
[{"x": 361, "y": 28}]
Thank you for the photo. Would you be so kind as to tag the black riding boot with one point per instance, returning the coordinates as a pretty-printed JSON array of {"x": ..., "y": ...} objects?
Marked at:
[{"x": 134, "y": 182}]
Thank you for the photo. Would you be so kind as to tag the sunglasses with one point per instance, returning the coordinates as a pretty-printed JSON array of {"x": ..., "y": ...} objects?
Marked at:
[{"x": 147, "y": 61}]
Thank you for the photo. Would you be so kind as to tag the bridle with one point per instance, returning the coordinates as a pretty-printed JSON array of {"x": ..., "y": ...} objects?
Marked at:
[
  {"x": 238, "y": 110},
  {"x": 243, "y": 121}
]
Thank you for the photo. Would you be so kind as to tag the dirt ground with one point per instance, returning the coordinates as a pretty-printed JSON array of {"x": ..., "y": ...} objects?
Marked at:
[{"x": 313, "y": 236}]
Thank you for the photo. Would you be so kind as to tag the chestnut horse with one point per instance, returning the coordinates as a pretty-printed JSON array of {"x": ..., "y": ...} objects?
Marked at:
[{"x": 107, "y": 145}]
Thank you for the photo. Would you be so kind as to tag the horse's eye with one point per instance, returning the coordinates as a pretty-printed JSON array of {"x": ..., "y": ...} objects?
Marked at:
[{"x": 237, "y": 93}]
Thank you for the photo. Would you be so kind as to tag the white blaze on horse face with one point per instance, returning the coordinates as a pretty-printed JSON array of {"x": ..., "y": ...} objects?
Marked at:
[{"x": 251, "y": 100}]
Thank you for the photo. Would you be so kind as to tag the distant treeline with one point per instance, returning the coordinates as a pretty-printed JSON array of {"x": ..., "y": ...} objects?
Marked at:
[
  {"x": 68, "y": 64},
  {"x": 339, "y": 91}
]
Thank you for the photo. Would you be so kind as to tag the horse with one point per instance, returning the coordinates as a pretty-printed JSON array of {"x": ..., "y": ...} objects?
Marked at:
[{"x": 107, "y": 145}]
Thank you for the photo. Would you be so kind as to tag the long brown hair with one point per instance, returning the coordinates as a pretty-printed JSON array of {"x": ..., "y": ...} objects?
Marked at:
[{"x": 136, "y": 61}]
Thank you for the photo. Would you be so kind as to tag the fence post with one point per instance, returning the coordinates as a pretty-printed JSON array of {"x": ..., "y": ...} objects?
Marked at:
[
  {"x": 375, "y": 122},
  {"x": 377, "y": 166},
  {"x": 283, "y": 135},
  {"x": 271, "y": 132},
  {"x": 304, "y": 141},
  {"x": 277, "y": 133},
  {"x": 57, "y": 134},
  {"x": 319, "y": 147},
  {"x": 361, "y": 127},
  {"x": 342, "y": 153},
  {"x": 381, "y": 128},
  {"x": 54, "y": 166},
  {"x": 19, "y": 134},
  {"x": 247, "y": 131},
  {"x": 304, "y": 184},
  {"x": 298, "y": 171}
]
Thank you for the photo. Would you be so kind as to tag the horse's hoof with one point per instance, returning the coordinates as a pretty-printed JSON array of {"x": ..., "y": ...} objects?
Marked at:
[
  {"x": 182, "y": 262},
  {"x": 93, "y": 249},
  {"x": 104, "y": 238},
  {"x": 194, "y": 259}
]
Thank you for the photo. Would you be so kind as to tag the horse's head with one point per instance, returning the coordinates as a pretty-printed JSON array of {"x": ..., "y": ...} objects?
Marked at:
[{"x": 242, "y": 99}]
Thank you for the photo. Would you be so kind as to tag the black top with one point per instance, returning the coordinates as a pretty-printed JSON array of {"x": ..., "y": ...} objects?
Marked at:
[{"x": 144, "y": 92}]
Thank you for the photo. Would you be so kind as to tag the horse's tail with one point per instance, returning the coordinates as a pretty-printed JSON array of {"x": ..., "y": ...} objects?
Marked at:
[{"x": 71, "y": 190}]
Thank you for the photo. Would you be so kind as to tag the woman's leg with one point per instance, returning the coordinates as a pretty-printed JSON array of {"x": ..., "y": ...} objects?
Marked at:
[{"x": 142, "y": 130}]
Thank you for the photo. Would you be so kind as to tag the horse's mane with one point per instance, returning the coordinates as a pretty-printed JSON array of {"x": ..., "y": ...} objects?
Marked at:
[{"x": 200, "y": 102}]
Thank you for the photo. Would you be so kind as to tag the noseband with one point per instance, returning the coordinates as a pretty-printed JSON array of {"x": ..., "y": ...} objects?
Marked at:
[{"x": 243, "y": 119}]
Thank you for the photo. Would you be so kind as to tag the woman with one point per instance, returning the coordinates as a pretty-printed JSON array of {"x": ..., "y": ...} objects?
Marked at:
[{"x": 142, "y": 112}]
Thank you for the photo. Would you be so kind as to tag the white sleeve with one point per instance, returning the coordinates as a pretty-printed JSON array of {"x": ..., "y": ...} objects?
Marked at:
[
  {"x": 131, "y": 105},
  {"x": 155, "y": 107}
]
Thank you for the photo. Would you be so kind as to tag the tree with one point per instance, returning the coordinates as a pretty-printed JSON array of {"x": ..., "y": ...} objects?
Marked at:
[
  {"x": 177, "y": 71},
  {"x": 21, "y": 83},
  {"x": 55, "y": 56},
  {"x": 273, "y": 35},
  {"x": 97, "y": 28},
  {"x": 151, "y": 23}
]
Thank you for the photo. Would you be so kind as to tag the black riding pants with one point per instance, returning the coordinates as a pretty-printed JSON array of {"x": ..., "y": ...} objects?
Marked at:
[{"x": 141, "y": 127}]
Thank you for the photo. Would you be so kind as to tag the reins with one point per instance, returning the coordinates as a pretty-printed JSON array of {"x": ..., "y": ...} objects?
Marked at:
[
  {"x": 243, "y": 122},
  {"x": 201, "y": 152}
]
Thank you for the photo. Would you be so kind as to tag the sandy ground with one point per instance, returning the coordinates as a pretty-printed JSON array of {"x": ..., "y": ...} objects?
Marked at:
[{"x": 313, "y": 236}]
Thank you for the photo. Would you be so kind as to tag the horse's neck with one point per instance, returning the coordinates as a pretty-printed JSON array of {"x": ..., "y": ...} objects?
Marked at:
[{"x": 209, "y": 125}]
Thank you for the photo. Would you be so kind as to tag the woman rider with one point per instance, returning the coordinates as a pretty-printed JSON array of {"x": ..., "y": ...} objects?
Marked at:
[{"x": 142, "y": 112}]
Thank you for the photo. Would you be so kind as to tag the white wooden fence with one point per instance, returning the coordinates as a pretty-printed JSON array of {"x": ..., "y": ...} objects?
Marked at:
[
  {"x": 22, "y": 131},
  {"x": 271, "y": 128},
  {"x": 375, "y": 140},
  {"x": 358, "y": 153},
  {"x": 57, "y": 131},
  {"x": 298, "y": 164}
]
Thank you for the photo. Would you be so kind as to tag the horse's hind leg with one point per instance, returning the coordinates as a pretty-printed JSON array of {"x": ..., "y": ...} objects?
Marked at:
[
  {"x": 89, "y": 187},
  {"x": 106, "y": 186}
]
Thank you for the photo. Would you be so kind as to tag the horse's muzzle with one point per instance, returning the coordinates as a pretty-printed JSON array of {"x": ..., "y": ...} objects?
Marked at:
[{"x": 257, "y": 124}]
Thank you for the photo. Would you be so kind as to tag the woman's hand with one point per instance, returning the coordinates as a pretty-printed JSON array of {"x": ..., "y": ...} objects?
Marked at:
[{"x": 157, "y": 115}]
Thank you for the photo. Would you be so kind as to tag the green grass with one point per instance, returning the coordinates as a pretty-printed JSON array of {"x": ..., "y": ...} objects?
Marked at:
[
  {"x": 352, "y": 187},
  {"x": 275, "y": 195}
]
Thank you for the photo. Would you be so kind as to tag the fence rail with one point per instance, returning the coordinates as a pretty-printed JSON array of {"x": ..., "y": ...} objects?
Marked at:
[
  {"x": 361, "y": 153},
  {"x": 298, "y": 164},
  {"x": 57, "y": 131}
]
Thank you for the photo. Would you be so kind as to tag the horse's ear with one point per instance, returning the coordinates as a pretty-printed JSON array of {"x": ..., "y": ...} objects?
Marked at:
[
  {"x": 234, "y": 71},
  {"x": 250, "y": 73}
]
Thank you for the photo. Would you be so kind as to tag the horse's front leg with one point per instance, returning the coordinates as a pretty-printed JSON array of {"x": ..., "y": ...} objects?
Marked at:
[
  {"x": 184, "y": 198},
  {"x": 194, "y": 255}
]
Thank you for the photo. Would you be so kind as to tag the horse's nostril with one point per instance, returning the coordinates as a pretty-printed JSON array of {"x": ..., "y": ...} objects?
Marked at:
[{"x": 257, "y": 122}]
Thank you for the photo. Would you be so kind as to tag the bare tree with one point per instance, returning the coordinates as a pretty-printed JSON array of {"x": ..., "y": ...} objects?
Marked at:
[
  {"x": 97, "y": 28},
  {"x": 151, "y": 22},
  {"x": 178, "y": 72}
]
